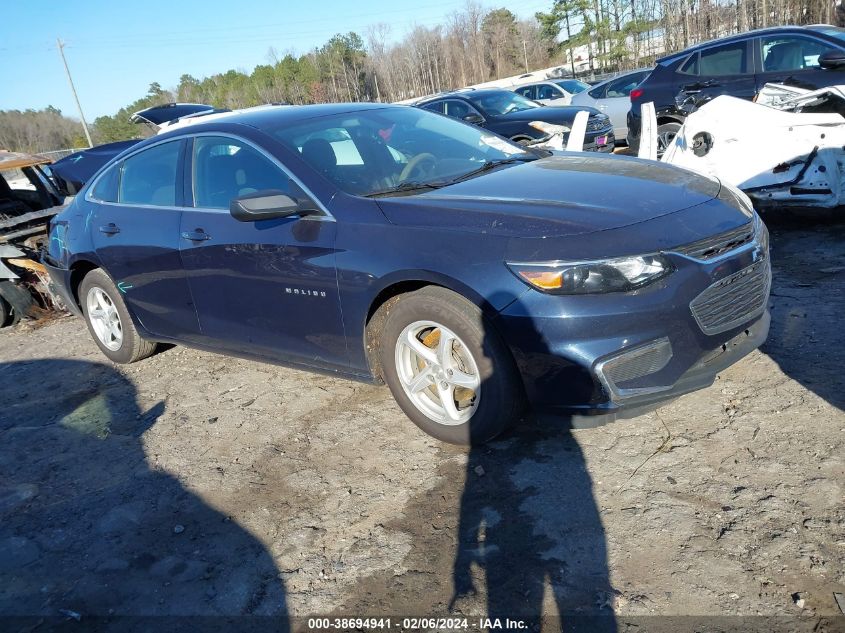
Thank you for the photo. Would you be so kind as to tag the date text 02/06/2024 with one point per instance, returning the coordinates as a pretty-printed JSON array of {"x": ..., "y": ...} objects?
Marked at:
[{"x": 416, "y": 623}]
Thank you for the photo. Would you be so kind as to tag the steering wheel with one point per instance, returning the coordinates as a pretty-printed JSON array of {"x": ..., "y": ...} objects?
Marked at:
[
  {"x": 415, "y": 162},
  {"x": 510, "y": 108}
]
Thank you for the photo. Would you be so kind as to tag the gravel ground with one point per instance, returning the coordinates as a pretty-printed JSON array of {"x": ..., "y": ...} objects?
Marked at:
[{"x": 195, "y": 484}]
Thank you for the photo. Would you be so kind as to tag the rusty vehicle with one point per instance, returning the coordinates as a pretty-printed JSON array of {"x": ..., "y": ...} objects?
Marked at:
[{"x": 28, "y": 200}]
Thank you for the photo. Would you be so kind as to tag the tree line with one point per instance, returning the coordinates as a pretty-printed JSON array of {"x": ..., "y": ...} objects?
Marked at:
[{"x": 470, "y": 46}]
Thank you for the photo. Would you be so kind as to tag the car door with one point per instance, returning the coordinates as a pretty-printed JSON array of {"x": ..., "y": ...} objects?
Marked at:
[
  {"x": 726, "y": 69},
  {"x": 794, "y": 60},
  {"x": 134, "y": 223},
  {"x": 268, "y": 287}
]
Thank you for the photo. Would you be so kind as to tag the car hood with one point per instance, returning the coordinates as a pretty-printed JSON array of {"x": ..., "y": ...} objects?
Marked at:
[
  {"x": 549, "y": 114},
  {"x": 564, "y": 195}
]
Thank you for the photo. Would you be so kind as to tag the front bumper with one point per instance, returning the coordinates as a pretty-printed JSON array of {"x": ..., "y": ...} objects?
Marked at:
[{"x": 564, "y": 346}]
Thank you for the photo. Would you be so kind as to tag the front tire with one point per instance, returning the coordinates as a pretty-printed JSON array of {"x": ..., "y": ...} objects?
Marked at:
[
  {"x": 108, "y": 320},
  {"x": 6, "y": 313},
  {"x": 447, "y": 368}
]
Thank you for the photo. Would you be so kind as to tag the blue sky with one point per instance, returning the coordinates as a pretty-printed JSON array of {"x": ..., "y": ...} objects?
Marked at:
[{"x": 115, "y": 50}]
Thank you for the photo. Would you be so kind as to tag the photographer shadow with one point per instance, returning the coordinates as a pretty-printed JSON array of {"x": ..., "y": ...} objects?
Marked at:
[
  {"x": 93, "y": 536},
  {"x": 531, "y": 544}
]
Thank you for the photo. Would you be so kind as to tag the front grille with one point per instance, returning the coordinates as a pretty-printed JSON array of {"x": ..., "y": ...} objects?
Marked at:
[
  {"x": 711, "y": 247},
  {"x": 638, "y": 363},
  {"x": 733, "y": 300},
  {"x": 597, "y": 122}
]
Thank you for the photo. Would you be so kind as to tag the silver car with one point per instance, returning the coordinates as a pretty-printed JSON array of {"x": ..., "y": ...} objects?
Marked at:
[
  {"x": 552, "y": 92},
  {"x": 613, "y": 98}
]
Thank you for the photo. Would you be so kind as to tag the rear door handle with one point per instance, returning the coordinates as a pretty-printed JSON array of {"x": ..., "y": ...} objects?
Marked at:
[
  {"x": 197, "y": 235},
  {"x": 109, "y": 229}
]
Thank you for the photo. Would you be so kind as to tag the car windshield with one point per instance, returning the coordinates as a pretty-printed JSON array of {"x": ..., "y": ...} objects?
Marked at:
[
  {"x": 572, "y": 86},
  {"x": 395, "y": 149},
  {"x": 503, "y": 102}
]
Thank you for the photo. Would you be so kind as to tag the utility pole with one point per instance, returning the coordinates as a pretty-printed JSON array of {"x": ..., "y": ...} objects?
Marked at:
[
  {"x": 525, "y": 53},
  {"x": 61, "y": 46}
]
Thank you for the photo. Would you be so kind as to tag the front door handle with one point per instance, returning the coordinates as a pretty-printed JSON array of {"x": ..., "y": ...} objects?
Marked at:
[
  {"x": 197, "y": 235},
  {"x": 110, "y": 229}
]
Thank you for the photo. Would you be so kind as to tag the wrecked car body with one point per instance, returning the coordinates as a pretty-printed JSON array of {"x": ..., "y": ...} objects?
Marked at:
[
  {"x": 25, "y": 213},
  {"x": 786, "y": 154}
]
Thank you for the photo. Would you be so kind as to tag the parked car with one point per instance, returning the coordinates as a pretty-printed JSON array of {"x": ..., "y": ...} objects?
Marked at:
[
  {"x": 613, "y": 98},
  {"x": 28, "y": 200},
  {"x": 553, "y": 91},
  {"x": 510, "y": 115},
  {"x": 467, "y": 272},
  {"x": 805, "y": 56},
  {"x": 71, "y": 172}
]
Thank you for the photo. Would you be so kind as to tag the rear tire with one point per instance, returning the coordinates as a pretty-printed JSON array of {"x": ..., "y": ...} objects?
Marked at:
[
  {"x": 665, "y": 135},
  {"x": 448, "y": 369},
  {"x": 108, "y": 320},
  {"x": 15, "y": 303}
]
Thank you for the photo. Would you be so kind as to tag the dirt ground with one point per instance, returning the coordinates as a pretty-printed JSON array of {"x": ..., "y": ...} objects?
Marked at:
[{"x": 192, "y": 484}]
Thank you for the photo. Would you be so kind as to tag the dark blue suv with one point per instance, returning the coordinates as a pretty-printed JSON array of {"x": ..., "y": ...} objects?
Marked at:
[
  {"x": 805, "y": 56},
  {"x": 387, "y": 243}
]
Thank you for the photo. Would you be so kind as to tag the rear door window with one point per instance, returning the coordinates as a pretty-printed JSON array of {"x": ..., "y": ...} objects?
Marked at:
[
  {"x": 526, "y": 91},
  {"x": 149, "y": 177},
  {"x": 720, "y": 61}
]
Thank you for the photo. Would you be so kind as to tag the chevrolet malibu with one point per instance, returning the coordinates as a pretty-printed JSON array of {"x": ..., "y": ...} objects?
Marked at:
[{"x": 390, "y": 244}]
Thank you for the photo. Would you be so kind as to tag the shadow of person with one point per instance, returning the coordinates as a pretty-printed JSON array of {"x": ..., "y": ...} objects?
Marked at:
[
  {"x": 531, "y": 544},
  {"x": 807, "y": 301},
  {"x": 91, "y": 533}
]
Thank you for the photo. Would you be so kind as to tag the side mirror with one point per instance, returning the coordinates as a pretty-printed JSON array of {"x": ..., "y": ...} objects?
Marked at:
[
  {"x": 267, "y": 204},
  {"x": 832, "y": 60},
  {"x": 475, "y": 119}
]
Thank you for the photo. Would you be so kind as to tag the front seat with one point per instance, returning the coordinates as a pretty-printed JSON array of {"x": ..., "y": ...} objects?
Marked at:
[{"x": 319, "y": 153}]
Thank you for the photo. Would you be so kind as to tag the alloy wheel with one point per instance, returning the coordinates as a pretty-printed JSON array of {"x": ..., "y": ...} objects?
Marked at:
[
  {"x": 104, "y": 319},
  {"x": 438, "y": 373}
]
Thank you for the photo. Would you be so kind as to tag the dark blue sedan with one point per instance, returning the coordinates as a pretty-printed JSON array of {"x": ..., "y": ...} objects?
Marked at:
[{"x": 388, "y": 243}]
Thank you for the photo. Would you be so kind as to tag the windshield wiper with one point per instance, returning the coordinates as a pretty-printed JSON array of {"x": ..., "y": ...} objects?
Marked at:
[
  {"x": 405, "y": 187},
  {"x": 491, "y": 164}
]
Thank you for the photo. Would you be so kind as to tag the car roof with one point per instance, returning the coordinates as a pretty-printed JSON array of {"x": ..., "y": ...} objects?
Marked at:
[
  {"x": 771, "y": 30},
  {"x": 262, "y": 117},
  {"x": 465, "y": 94}
]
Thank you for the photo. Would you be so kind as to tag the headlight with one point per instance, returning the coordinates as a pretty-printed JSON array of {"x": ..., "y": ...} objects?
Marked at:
[{"x": 594, "y": 277}]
